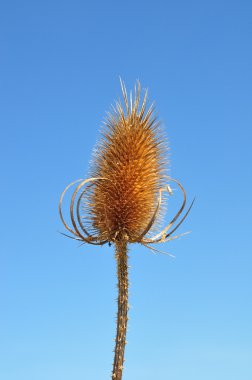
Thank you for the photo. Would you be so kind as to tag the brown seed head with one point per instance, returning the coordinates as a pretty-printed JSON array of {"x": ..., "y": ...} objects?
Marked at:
[{"x": 132, "y": 157}]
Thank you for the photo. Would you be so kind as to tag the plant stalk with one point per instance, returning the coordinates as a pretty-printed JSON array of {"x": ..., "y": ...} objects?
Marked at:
[{"x": 123, "y": 307}]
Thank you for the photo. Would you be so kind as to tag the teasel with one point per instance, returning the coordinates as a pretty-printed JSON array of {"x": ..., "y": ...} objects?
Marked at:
[{"x": 122, "y": 202}]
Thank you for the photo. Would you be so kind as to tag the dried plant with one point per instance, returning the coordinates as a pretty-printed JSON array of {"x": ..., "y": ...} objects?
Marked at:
[{"x": 122, "y": 202}]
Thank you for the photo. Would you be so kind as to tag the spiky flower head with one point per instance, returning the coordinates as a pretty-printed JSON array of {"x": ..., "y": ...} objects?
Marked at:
[
  {"x": 132, "y": 157},
  {"x": 122, "y": 199}
]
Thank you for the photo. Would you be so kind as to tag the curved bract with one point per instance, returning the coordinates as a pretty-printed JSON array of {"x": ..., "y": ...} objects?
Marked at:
[
  {"x": 80, "y": 232},
  {"x": 96, "y": 240}
]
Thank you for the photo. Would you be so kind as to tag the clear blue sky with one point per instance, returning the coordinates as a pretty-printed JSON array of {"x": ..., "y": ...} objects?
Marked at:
[{"x": 59, "y": 67}]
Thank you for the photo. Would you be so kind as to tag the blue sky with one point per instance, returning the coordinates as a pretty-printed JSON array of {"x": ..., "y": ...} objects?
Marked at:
[{"x": 60, "y": 66}]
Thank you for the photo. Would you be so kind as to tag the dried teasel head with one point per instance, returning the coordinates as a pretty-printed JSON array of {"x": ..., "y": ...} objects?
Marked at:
[
  {"x": 132, "y": 157},
  {"x": 123, "y": 197}
]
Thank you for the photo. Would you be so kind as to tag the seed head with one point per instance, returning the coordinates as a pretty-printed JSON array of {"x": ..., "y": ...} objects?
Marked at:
[
  {"x": 132, "y": 156},
  {"x": 122, "y": 199}
]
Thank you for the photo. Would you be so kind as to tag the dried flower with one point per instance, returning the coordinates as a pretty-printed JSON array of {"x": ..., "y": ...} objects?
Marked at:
[{"x": 121, "y": 202}]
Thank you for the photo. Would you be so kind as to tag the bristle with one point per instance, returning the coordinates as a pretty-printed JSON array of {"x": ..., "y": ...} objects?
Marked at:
[{"x": 132, "y": 156}]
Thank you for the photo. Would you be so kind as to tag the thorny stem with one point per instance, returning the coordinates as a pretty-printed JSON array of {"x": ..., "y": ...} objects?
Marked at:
[{"x": 123, "y": 307}]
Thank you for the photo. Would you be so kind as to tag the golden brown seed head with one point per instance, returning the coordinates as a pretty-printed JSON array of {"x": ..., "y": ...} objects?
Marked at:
[{"x": 132, "y": 157}]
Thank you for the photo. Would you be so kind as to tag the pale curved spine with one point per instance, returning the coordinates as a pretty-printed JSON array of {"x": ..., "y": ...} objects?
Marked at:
[{"x": 123, "y": 307}]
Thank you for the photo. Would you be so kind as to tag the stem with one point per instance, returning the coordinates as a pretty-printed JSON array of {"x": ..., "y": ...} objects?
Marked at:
[{"x": 123, "y": 307}]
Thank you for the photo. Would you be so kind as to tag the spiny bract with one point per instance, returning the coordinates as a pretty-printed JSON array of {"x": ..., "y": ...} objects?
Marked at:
[{"x": 131, "y": 157}]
